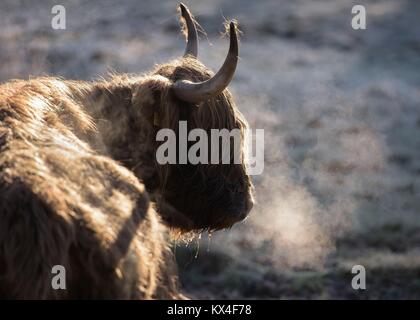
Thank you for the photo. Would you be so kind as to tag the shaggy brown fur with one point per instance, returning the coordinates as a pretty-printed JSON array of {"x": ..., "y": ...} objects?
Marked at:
[
  {"x": 68, "y": 195},
  {"x": 63, "y": 203}
]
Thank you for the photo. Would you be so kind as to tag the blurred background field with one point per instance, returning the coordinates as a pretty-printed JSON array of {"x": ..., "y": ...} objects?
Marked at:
[{"x": 341, "y": 114}]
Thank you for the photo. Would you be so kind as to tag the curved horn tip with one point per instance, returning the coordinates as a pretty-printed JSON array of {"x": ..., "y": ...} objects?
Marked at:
[
  {"x": 233, "y": 35},
  {"x": 197, "y": 92},
  {"x": 183, "y": 8},
  {"x": 192, "y": 37},
  {"x": 232, "y": 27}
]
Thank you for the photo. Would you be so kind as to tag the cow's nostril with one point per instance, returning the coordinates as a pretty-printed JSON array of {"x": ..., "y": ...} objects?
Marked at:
[
  {"x": 249, "y": 204},
  {"x": 245, "y": 208}
]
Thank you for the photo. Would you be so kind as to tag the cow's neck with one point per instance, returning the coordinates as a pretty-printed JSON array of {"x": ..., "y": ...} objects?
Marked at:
[{"x": 118, "y": 135}]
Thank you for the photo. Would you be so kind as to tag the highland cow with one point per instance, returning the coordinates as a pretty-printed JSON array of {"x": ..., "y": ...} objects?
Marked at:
[{"x": 80, "y": 185}]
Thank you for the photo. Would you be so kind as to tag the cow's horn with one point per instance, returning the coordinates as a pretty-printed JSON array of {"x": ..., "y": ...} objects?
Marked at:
[
  {"x": 192, "y": 39},
  {"x": 197, "y": 92}
]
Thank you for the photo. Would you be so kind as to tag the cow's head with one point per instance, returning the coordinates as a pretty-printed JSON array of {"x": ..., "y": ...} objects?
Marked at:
[{"x": 194, "y": 196}]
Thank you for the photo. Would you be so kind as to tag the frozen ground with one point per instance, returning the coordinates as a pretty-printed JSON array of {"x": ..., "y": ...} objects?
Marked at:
[{"x": 341, "y": 113}]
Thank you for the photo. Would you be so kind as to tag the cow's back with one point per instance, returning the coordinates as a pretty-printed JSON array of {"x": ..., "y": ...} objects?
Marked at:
[{"x": 63, "y": 204}]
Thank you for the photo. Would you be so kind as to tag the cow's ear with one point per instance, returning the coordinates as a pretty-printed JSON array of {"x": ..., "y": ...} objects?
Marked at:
[{"x": 147, "y": 97}]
